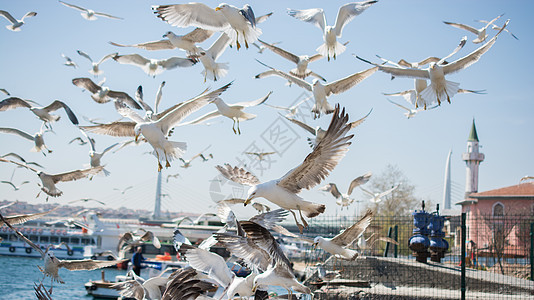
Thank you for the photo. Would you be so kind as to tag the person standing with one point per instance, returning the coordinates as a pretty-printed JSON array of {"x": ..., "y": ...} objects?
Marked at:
[{"x": 137, "y": 259}]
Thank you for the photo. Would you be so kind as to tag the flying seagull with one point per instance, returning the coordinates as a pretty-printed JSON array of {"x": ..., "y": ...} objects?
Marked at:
[
  {"x": 123, "y": 190},
  {"x": 235, "y": 112},
  {"x": 377, "y": 197},
  {"x": 15, "y": 155},
  {"x": 19, "y": 219},
  {"x": 37, "y": 139},
  {"x": 262, "y": 48},
  {"x": 410, "y": 112},
  {"x": 186, "y": 42},
  {"x": 102, "y": 94},
  {"x": 16, "y": 24},
  {"x": 69, "y": 62},
  {"x": 152, "y": 66},
  {"x": 292, "y": 110},
  {"x": 43, "y": 113},
  {"x": 238, "y": 24},
  {"x": 322, "y": 91},
  {"x": 86, "y": 200},
  {"x": 440, "y": 88},
  {"x": 212, "y": 69},
  {"x": 495, "y": 27},
  {"x": 49, "y": 181},
  {"x": 131, "y": 240},
  {"x": 150, "y": 113},
  {"x": 260, "y": 155},
  {"x": 16, "y": 188},
  {"x": 316, "y": 16},
  {"x": 344, "y": 200},
  {"x": 95, "y": 66},
  {"x": 315, "y": 167},
  {"x": 480, "y": 33},
  {"x": 89, "y": 14},
  {"x": 97, "y": 156},
  {"x": 156, "y": 132}
]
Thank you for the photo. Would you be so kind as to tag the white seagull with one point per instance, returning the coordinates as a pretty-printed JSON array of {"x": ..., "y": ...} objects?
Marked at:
[
  {"x": 410, "y": 112},
  {"x": 302, "y": 61},
  {"x": 260, "y": 155},
  {"x": 102, "y": 94},
  {"x": 95, "y": 66},
  {"x": 316, "y": 16},
  {"x": 69, "y": 62},
  {"x": 16, "y": 188},
  {"x": 186, "y": 42},
  {"x": 480, "y": 33},
  {"x": 262, "y": 48},
  {"x": 315, "y": 167},
  {"x": 97, "y": 156},
  {"x": 495, "y": 27},
  {"x": 43, "y": 113},
  {"x": 238, "y": 24},
  {"x": 235, "y": 112},
  {"x": 89, "y": 14},
  {"x": 49, "y": 181},
  {"x": 156, "y": 132},
  {"x": 212, "y": 69},
  {"x": 131, "y": 240},
  {"x": 150, "y": 113},
  {"x": 37, "y": 139},
  {"x": 344, "y": 200},
  {"x": 16, "y": 24},
  {"x": 322, "y": 91},
  {"x": 19, "y": 219},
  {"x": 153, "y": 66},
  {"x": 292, "y": 110},
  {"x": 377, "y": 197},
  {"x": 440, "y": 88}
]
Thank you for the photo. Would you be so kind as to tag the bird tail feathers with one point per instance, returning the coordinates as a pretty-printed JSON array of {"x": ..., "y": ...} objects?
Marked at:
[
  {"x": 431, "y": 94},
  {"x": 326, "y": 51},
  {"x": 313, "y": 209},
  {"x": 220, "y": 71}
]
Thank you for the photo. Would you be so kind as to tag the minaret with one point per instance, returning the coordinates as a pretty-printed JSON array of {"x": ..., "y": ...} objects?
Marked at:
[
  {"x": 472, "y": 159},
  {"x": 447, "y": 183}
]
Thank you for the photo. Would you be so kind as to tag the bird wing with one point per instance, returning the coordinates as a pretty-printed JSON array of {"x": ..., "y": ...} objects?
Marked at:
[
  {"x": 19, "y": 219},
  {"x": 108, "y": 16},
  {"x": 159, "y": 93},
  {"x": 367, "y": 192},
  {"x": 73, "y": 6},
  {"x": 218, "y": 47},
  {"x": 124, "y": 97},
  {"x": 149, "y": 236},
  {"x": 285, "y": 54},
  {"x": 17, "y": 132},
  {"x": 300, "y": 82},
  {"x": 384, "y": 193},
  {"x": 109, "y": 148},
  {"x": 248, "y": 14},
  {"x": 399, "y": 105},
  {"x": 334, "y": 190},
  {"x": 263, "y": 18},
  {"x": 29, "y": 14},
  {"x": 341, "y": 85},
  {"x": 13, "y": 102},
  {"x": 86, "y": 83},
  {"x": 359, "y": 121},
  {"x": 265, "y": 240},
  {"x": 139, "y": 98},
  {"x": 472, "y": 57},
  {"x": 154, "y": 45},
  {"x": 245, "y": 249},
  {"x": 462, "y": 43},
  {"x": 76, "y": 174},
  {"x": 423, "y": 62},
  {"x": 113, "y": 129},
  {"x": 191, "y": 14},
  {"x": 198, "y": 35},
  {"x": 254, "y": 102},
  {"x": 359, "y": 181},
  {"x": 313, "y": 15},
  {"x": 173, "y": 117},
  {"x": 125, "y": 238},
  {"x": 8, "y": 16},
  {"x": 59, "y": 104},
  {"x": 125, "y": 111},
  {"x": 86, "y": 264},
  {"x": 315, "y": 57},
  {"x": 174, "y": 62},
  {"x": 354, "y": 232},
  {"x": 462, "y": 26},
  {"x": 347, "y": 12},
  {"x": 324, "y": 157},
  {"x": 85, "y": 55},
  {"x": 238, "y": 175},
  {"x": 23, "y": 165},
  {"x": 111, "y": 55},
  {"x": 211, "y": 263},
  {"x": 203, "y": 118},
  {"x": 270, "y": 218},
  {"x": 132, "y": 59},
  {"x": 22, "y": 237}
]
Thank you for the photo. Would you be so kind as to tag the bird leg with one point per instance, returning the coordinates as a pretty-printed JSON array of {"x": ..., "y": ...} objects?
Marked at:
[
  {"x": 233, "y": 125},
  {"x": 167, "y": 164},
  {"x": 301, "y": 228},
  {"x": 246, "y": 44},
  {"x": 205, "y": 75},
  {"x": 237, "y": 40},
  {"x": 238, "y": 130},
  {"x": 159, "y": 164},
  {"x": 302, "y": 218}
]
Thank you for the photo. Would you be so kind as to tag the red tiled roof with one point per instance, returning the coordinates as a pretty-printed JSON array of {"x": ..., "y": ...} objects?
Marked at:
[{"x": 520, "y": 190}]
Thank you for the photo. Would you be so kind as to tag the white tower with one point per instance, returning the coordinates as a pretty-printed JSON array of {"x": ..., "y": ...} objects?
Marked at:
[
  {"x": 472, "y": 159},
  {"x": 447, "y": 183},
  {"x": 157, "y": 203}
]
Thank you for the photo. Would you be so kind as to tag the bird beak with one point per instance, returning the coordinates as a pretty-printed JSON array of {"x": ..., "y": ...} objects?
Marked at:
[
  {"x": 217, "y": 8},
  {"x": 314, "y": 246},
  {"x": 137, "y": 137},
  {"x": 247, "y": 201},
  {"x": 254, "y": 288}
]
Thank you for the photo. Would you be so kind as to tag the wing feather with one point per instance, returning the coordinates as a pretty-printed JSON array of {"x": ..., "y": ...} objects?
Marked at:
[
  {"x": 238, "y": 175},
  {"x": 359, "y": 181},
  {"x": 113, "y": 129},
  {"x": 254, "y": 102},
  {"x": 285, "y": 54},
  {"x": 76, "y": 174},
  {"x": 192, "y": 14},
  {"x": 154, "y": 45},
  {"x": 86, "y": 264},
  {"x": 17, "y": 132},
  {"x": 348, "y": 82},
  {"x": 314, "y": 16},
  {"x": 348, "y": 12},
  {"x": 13, "y": 102},
  {"x": 352, "y": 233}
]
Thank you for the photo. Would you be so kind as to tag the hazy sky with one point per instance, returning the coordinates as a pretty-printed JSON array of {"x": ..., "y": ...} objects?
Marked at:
[{"x": 32, "y": 68}]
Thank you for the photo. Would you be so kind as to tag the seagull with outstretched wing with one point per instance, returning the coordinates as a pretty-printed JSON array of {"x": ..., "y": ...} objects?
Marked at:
[
  {"x": 102, "y": 94},
  {"x": 480, "y": 32},
  {"x": 153, "y": 66},
  {"x": 90, "y": 14},
  {"x": 95, "y": 66},
  {"x": 43, "y": 113},
  {"x": 344, "y": 200},
  {"x": 16, "y": 24},
  {"x": 377, "y": 197}
]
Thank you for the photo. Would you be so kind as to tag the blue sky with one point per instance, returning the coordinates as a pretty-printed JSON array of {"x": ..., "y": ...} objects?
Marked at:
[{"x": 32, "y": 68}]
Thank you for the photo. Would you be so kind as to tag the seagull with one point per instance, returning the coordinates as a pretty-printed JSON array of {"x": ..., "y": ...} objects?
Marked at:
[
  {"x": 526, "y": 178},
  {"x": 187, "y": 163},
  {"x": 123, "y": 190},
  {"x": 321, "y": 92},
  {"x": 262, "y": 48},
  {"x": 15, "y": 155},
  {"x": 156, "y": 132},
  {"x": 16, "y": 24},
  {"x": 316, "y": 16},
  {"x": 232, "y": 111},
  {"x": 186, "y": 42},
  {"x": 95, "y": 69},
  {"x": 214, "y": 70},
  {"x": 19, "y": 219},
  {"x": 440, "y": 88},
  {"x": 493, "y": 26},
  {"x": 154, "y": 67},
  {"x": 337, "y": 245},
  {"x": 172, "y": 176},
  {"x": 260, "y": 155},
  {"x": 90, "y": 14},
  {"x": 80, "y": 141},
  {"x": 184, "y": 284},
  {"x": 43, "y": 113},
  {"x": 96, "y": 156},
  {"x": 16, "y": 188},
  {"x": 131, "y": 240},
  {"x": 37, "y": 139},
  {"x": 49, "y": 181},
  {"x": 260, "y": 208},
  {"x": 238, "y": 24},
  {"x": 480, "y": 33},
  {"x": 325, "y": 275},
  {"x": 377, "y": 197},
  {"x": 292, "y": 110},
  {"x": 102, "y": 94},
  {"x": 150, "y": 114},
  {"x": 86, "y": 200},
  {"x": 139, "y": 288},
  {"x": 315, "y": 167},
  {"x": 69, "y": 62},
  {"x": 343, "y": 199},
  {"x": 52, "y": 264},
  {"x": 410, "y": 113},
  {"x": 318, "y": 132},
  {"x": 414, "y": 97},
  {"x": 302, "y": 61}
]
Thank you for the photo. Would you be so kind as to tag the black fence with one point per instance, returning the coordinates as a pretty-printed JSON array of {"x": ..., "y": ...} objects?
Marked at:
[{"x": 491, "y": 260}]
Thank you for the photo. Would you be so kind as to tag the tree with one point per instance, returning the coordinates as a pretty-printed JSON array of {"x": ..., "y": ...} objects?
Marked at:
[{"x": 401, "y": 201}]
